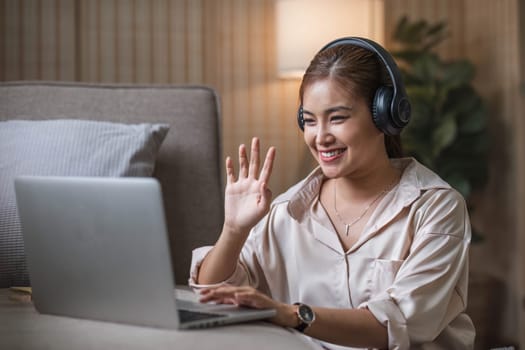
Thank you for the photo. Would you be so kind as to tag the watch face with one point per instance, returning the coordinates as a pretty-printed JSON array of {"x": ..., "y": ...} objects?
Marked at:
[{"x": 306, "y": 314}]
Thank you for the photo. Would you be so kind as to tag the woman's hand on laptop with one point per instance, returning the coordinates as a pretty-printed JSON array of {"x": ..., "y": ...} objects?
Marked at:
[
  {"x": 250, "y": 297},
  {"x": 247, "y": 196}
]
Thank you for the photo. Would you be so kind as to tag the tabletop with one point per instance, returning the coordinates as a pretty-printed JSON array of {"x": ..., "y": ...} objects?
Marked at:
[{"x": 22, "y": 327}]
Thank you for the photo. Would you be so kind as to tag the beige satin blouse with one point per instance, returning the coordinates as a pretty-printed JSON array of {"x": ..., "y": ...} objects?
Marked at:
[{"x": 409, "y": 267}]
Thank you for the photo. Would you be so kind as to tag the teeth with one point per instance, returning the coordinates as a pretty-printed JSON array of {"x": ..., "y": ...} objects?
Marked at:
[{"x": 331, "y": 153}]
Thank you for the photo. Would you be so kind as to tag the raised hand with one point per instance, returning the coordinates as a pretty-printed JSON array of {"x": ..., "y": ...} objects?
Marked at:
[{"x": 247, "y": 197}]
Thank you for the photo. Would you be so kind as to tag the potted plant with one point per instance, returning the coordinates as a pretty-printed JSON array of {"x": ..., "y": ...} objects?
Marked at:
[
  {"x": 448, "y": 130},
  {"x": 448, "y": 133}
]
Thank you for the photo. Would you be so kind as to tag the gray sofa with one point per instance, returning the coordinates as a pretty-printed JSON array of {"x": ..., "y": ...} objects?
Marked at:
[{"x": 187, "y": 164}]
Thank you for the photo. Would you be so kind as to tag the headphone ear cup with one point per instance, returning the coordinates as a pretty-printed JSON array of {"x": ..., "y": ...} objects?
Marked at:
[
  {"x": 300, "y": 118},
  {"x": 381, "y": 109}
]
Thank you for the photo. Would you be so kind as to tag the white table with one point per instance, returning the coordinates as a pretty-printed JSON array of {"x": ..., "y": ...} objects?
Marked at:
[{"x": 22, "y": 327}]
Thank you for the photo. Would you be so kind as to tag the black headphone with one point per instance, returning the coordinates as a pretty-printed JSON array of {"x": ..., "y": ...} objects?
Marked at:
[{"x": 390, "y": 107}]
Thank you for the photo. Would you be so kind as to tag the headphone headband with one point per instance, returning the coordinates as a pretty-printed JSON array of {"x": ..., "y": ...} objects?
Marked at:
[{"x": 384, "y": 56}]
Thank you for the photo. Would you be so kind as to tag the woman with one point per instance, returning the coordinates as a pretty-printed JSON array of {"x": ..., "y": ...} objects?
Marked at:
[{"x": 370, "y": 250}]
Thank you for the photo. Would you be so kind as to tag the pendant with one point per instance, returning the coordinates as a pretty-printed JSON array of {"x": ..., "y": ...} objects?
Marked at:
[{"x": 347, "y": 229}]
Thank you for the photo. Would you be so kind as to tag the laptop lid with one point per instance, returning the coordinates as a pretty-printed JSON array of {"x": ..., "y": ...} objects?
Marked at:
[{"x": 97, "y": 248}]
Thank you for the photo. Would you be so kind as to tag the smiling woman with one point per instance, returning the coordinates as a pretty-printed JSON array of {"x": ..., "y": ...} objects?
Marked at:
[{"x": 370, "y": 250}]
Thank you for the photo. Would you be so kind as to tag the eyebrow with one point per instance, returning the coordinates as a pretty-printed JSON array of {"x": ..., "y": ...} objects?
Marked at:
[{"x": 331, "y": 110}]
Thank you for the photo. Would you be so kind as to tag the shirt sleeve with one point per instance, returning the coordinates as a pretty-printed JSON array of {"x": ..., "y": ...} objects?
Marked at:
[
  {"x": 239, "y": 276},
  {"x": 248, "y": 271},
  {"x": 430, "y": 288}
]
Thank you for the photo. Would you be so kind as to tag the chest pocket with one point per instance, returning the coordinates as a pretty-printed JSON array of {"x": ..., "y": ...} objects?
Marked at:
[{"x": 370, "y": 277}]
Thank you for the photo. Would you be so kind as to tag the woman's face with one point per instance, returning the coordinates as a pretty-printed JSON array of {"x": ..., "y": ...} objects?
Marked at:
[{"x": 339, "y": 131}]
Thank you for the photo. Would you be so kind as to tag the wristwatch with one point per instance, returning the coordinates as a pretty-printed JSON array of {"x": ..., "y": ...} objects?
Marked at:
[{"x": 306, "y": 316}]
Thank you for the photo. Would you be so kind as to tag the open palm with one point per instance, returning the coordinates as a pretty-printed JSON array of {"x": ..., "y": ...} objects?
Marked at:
[{"x": 247, "y": 197}]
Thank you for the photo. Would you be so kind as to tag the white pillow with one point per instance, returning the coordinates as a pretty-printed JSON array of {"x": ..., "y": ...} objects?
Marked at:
[{"x": 68, "y": 148}]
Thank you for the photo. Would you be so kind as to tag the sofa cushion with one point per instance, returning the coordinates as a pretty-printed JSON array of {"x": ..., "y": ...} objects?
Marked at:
[{"x": 67, "y": 148}]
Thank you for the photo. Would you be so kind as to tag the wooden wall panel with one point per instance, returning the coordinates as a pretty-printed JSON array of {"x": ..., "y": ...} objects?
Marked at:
[
  {"x": 520, "y": 174},
  {"x": 36, "y": 40}
]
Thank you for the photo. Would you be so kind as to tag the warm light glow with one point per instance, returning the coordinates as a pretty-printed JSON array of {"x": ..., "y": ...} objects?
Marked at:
[{"x": 304, "y": 26}]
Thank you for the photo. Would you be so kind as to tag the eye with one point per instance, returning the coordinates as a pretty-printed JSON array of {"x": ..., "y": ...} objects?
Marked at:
[
  {"x": 309, "y": 121},
  {"x": 338, "y": 118}
]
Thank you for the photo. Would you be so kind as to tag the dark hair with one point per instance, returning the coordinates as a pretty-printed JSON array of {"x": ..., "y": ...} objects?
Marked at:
[{"x": 358, "y": 71}]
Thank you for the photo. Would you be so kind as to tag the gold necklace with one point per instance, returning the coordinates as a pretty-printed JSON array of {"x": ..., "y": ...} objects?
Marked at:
[{"x": 356, "y": 220}]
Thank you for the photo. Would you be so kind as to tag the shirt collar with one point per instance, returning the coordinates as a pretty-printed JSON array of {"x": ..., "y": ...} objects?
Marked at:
[{"x": 414, "y": 179}]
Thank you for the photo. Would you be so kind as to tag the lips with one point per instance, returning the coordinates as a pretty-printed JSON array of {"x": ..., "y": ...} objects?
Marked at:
[{"x": 331, "y": 155}]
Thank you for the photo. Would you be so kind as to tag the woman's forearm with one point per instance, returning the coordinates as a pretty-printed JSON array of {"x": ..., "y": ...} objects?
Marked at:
[
  {"x": 355, "y": 327},
  {"x": 347, "y": 327},
  {"x": 220, "y": 263}
]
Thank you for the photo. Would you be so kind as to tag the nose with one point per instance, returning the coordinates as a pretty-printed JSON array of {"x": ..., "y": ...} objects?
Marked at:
[{"x": 324, "y": 136}]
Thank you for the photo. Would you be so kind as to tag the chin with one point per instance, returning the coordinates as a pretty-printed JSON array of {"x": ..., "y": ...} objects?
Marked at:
[{"x": 330, "y": 171}]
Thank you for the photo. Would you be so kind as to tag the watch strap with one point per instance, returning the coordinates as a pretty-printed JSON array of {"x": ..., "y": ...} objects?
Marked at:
[{"x": 302, "y": 326}]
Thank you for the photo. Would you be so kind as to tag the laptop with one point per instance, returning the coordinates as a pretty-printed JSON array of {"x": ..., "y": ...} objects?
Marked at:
[{"x": 97, "y": 248}]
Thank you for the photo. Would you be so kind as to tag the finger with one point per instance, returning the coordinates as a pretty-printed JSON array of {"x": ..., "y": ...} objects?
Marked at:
[
  {"x": 218, "y": 300},
  {"x": 253, "y": 298},
  {"x": 249, "y": 301},
  {"x": 230, "y": 301},
  {"x": 207, "y": 297},
  {"x": 216, "y": 293},
  {"x": 266, "y": 194},
  {"x": 268, "y": 165},
  {"x": 229, "y": 291},
  {"x": 254, "y": 158},
  {"x": 230, "y": 175},
  {"x": 243, "y": 162}
]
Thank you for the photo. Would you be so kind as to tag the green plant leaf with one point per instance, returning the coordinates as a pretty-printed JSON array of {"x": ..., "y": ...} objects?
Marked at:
[
  {"x": 444, "y": 134},
  {"x": 462, "y": 101},
  {"x": 437, "y": 32},
  {"x": 425, "y": 68},
  {"x": 408, "y": 56},
  {"x": 456, "y": 74},
  {"x": 477, "y": 237},
  {"x": 413, "y": 33},
  {"x": 474, "y": 120},
  {"x": 470, "y": 145},
  {"x": 401, "y": 29},
  {"x": 460, "y": 183},
  {"x": 436, "y": 29},
  {"x": 421, "y": 94}
]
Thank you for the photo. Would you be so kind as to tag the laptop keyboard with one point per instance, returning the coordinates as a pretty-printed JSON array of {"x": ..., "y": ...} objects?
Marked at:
[{"x": 187, "y": 315}]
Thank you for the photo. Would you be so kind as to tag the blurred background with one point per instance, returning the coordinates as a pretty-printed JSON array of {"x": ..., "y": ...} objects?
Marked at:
[{"x": 244, "y": 48}]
